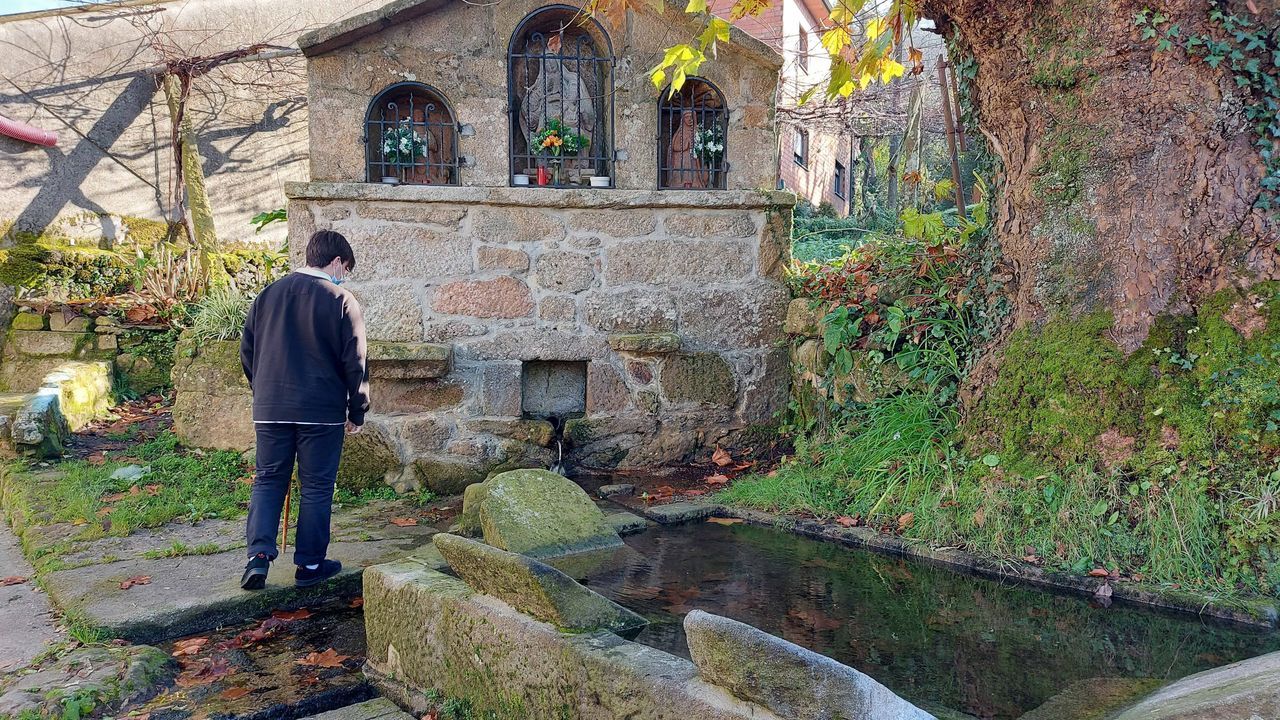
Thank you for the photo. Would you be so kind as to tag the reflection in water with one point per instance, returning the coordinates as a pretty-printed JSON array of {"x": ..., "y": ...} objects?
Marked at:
[{"x": 938, "y": 638}]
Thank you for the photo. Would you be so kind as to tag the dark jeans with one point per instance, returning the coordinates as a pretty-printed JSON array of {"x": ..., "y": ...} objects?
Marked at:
[{"x": 317, "y": 449}]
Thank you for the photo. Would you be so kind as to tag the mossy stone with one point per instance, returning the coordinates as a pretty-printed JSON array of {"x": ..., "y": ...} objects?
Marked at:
[
  {"x": 704, "y": 378},
  {"x": 533, "y": 588},
  {"x": 367, "y": 457},
  {"x": 28, "y": 321},
  {"x": 537, "y": 513},
  {"x": 447, "y": 477}
]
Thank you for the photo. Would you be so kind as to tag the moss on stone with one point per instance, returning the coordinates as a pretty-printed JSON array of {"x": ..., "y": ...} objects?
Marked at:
[{"x": 44, "y": 263}]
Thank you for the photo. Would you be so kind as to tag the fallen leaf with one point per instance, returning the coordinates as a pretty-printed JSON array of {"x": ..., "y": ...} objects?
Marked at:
[
  {"x": 717, "y": 480},
  {"x": 201, "y": 672},
  {"x": 725, "y": 521},
  {"x": 433, "y": 715},
  {"x": 1253, "y": 7},
  {"x": 1098, "y": 572},
  {"x": 404, "y": 522},
  {"x": 980, "y": 517},
  {"x": 356, "y": 602},
  {"x": 721, "y": 457},
  {"x": 97, "y": 458},
  {"x": 695, "y": 493},
  {"x": 103, "y": 512},
  {"x": 153, "y": 490},
  {"x": 846, "y": 521},
  {"x": 905, "y": 520},
  {"x": 234, "y": 693},
  {"x": 190, "y": 646},
  {"x": 289, "y": 615},
  {"x": 1103, "y": 592},
  {"x": 135, "y": 580},
  {"x": 12, "y": 580},
  {"x": 327, "y": 659},
  {"x": 79, "y": 521}
]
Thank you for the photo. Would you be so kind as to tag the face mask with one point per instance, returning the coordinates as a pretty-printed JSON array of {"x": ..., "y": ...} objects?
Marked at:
[{"x": 337, "y": 281}]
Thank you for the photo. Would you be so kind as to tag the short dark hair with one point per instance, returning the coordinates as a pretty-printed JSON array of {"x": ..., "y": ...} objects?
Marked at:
[{"x": 325, "y": 245}]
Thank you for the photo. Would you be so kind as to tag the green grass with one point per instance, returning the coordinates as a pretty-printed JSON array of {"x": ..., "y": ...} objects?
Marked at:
[
  {"x": 186, "y": 485},
  {"x": 895, "y": 457},
  {"x": 348, "y": 498},
  {"x": 181, "y": 549}
]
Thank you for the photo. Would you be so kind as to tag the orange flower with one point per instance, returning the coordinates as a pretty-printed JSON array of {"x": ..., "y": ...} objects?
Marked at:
[{"x": 552, "y": 141}]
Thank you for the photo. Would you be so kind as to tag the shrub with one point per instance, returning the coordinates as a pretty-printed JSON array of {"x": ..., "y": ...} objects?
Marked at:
[{"x": 220, "y": 315}]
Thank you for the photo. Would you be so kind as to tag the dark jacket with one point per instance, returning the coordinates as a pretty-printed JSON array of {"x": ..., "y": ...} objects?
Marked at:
[{"x": 303, "y": 351}]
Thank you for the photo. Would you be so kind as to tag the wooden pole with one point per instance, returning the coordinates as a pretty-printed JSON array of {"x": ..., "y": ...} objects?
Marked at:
[
  {"x": 955, "y": 99},
  {"x": 951, "y": 135},
  {"x": 284, "y": 536}
]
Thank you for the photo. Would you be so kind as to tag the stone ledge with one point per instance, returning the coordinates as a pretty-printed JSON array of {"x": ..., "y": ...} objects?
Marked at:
[
  {"x": 401, "y": 360},
  {"x": 542, "y": 197},
  {"x": 645, "y": 343}
]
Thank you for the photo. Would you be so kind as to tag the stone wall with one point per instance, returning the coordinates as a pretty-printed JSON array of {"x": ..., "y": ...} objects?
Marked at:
[
  {"x": 674, "y": 300},
  {"x": 212, "y": 406},
  {"x": 460, "y": 49},
  {"x": 37, "y": 344}
]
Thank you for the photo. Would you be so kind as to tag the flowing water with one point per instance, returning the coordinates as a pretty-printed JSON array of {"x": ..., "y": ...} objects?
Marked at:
[{"x": 938, "y": 638}]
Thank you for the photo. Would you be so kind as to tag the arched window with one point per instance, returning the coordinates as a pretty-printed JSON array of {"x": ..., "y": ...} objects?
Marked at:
[
  {"x": 693, "y": 133},
  {"x": 411, "y": 137},
  {"x": 560, "y": 100}
]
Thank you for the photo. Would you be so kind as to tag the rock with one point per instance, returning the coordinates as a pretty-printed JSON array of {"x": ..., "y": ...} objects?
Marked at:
[
  {"x": 142, "y": 373},
  {"x": 535, "y": 432},
  {"x": 392, "y": 311},
  {"x": 801, "y": 318},
  {"x": 213, "y": 406},
  {"x": 645, "y": 343},
  {"x": 679, "y": 512},
  {"x": 625, "y": 523},
  {"x": 736, "y": 224},
  {"x": 46, "y": 342},
  {"x": 75, "y": 324},
  {"x": 503, "y": 297},
  {"x": 558, "y": 308},
  {"x": 497, "y": 224},
  {"x": 565, "y": 271},
  {"x": 489, "y": 257},
  {"x": 619, "y": 489},
  {"x": 1240, "y": 691},
  {"x": 618, "y": 223},
  {"x": 38, "y": 426},
  {"x": 632, "y": 311},
  {"x": 699, "y": 378},
  {"x": 131, "y": 473},
  {"x": 28, "y": 321},
  {"x": 108, "y": 677},
  {"x": 409, "y": 360},
  {"x": 533, "y": 588},
  {"x": 536, "y": 513},
  {"x": 83, "y": 390},
  {"x": 677, "y": 262},
  {"x": 378, "y": 709},
  {"x": 367, "y": 458},
  {"x": 447, "y": 477},
  {"x": 796, "y": 683}
]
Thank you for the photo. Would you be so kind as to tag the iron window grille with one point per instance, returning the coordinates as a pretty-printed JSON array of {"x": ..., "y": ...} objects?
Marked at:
[
  {"x": 411, "y": 137},
  {"x": 560, "y": 75},
  {"x": 840, "y": 180},
  {"x": 693, "y": 132},
  {"x": 800, "y": 147}
]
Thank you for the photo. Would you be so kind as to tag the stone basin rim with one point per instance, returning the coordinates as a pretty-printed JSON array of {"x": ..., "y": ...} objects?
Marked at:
[{"x": 1258, "y": 615}]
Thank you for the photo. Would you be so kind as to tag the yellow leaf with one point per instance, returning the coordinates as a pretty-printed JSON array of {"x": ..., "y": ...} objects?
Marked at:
[
  {"x": 876, "y": 28},
  {"x": 658, "y": 77},
  {"x": 696, "y": 6},
  {"x": 835, "y": 40},
  {"x": 890, "y": 69}
]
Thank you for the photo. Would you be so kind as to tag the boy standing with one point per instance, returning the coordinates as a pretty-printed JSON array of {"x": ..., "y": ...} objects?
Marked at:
[{"x": 303, "y": 351}]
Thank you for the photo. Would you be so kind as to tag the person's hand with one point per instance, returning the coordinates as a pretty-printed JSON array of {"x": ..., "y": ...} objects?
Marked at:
[{"x": 353, "y": 429}]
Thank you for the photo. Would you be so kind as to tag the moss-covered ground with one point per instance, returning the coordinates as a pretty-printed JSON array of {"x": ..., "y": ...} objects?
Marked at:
[{"x": 1161, "y": 465}]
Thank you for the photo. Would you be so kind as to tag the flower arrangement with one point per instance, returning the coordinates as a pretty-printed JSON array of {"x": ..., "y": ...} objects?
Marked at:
[
  {"x": 401, "y": 145},
  {"x": 708, "y": 144},
  {"x": 557, "y": 139}
]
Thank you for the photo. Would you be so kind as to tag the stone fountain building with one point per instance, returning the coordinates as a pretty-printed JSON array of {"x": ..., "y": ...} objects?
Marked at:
[{"x": 618, "y": 285}]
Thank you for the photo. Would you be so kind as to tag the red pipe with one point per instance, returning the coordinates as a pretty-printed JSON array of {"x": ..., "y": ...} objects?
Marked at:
[{"x": 25, "y": 132}]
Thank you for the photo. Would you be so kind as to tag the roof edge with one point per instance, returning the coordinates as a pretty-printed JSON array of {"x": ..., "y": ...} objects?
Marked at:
[{"x": 77, "y": 9}]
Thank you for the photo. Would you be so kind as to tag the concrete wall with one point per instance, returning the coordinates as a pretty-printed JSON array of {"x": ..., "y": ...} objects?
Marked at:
[{"x": 82, "y": 75}]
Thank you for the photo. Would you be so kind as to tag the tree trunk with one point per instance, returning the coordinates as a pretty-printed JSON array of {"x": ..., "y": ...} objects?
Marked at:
[
  {"x": 866, "y": 151},
  {"x": 1129, "y": 172},
  {"x": 191, "y": 170}
]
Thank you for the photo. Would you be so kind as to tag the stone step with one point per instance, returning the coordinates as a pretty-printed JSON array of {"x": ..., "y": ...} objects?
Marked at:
[{"x": 376, "y": 709}]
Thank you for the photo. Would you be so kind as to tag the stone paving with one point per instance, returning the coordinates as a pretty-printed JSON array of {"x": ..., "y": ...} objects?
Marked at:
[{"x": 25, "y": 614}]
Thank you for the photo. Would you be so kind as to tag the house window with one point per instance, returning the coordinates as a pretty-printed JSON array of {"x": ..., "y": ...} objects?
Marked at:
[
  {"x": 840, "y": 180},
  {"x": 802, "y": 49},
  {"x": 560, "y": 99},
  {"x": 800, "y": 147},
  {"x": 693, "y": 128},
  {"x": 411, "y": 137}
]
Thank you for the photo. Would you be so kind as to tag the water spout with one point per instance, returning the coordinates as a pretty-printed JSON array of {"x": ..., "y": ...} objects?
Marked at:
[{"x": 557, "y": 426}]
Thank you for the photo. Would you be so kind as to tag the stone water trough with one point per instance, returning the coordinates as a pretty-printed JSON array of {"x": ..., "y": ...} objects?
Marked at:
[{"x": 495, "y": 624}]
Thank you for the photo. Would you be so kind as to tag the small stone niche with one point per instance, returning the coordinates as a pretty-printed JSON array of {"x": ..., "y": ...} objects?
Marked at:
[{"x": 553, "y": 389}]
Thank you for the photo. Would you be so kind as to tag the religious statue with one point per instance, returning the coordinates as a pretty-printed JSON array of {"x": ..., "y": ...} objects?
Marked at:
[
  {"x": 558, "y": 93},
  {"x": 684, "y": 167}
]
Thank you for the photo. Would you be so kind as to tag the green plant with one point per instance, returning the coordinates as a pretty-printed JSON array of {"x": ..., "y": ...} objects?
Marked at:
[
  {"x": 267, "y": 217},
  {"x": 558, "y": 139},
  {"x": 220, "y": 314},
  {"x": 402, "y": 145}
]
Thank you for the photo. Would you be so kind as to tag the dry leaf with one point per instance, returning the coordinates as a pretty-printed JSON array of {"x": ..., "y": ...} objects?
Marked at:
[
  {"x": 404, "y": 522},
  {"x": 717, "y": 480},
  {"x": 234, "y": 693},
  {"x": 201, "y": 672},
  {"x": 152, "y": 490},
  {"x": 695, "y": 493},
  {"x": 721, "y": 457},
  {"x": 356, "y": 602},
  {"x": 135, "y": 580},
  {"x": 846, "y": 521},
  {"x": 1098, "y": 572},
  {"x": 288, "y": 615},
  {"x": 103, "y": 512},
  {"x": 1103, "y": 592},
  {"x": 905, "y": 520},
  {"x": 12, "y": 580},
  {"x": 190, "y": 646},
  {"x": 327, "y": 659},
  {"x": 725, "y": 521},
  {"x": 980, "y": 517}
]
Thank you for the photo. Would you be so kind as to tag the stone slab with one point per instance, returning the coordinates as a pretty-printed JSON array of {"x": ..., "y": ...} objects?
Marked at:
[
  {"x": 536, "y": 513},
  {"x": 625, "y": 523},
  {"x": 616, "y": 490},
  {"x": 533, "y": 588},
  {"x": 790, "y": 680},
  {"x": 542, "y": 197},
  {"x": 1240, "y": 691},
  {"x": 378, "y": 709},
  {"x": 194, "y": 594},
  {"x": 409, "y": 360},
  {"x": 679, "y": 512},
  {"x": 25, "y": 613},
  {"x": 1093, "y": 699}
]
